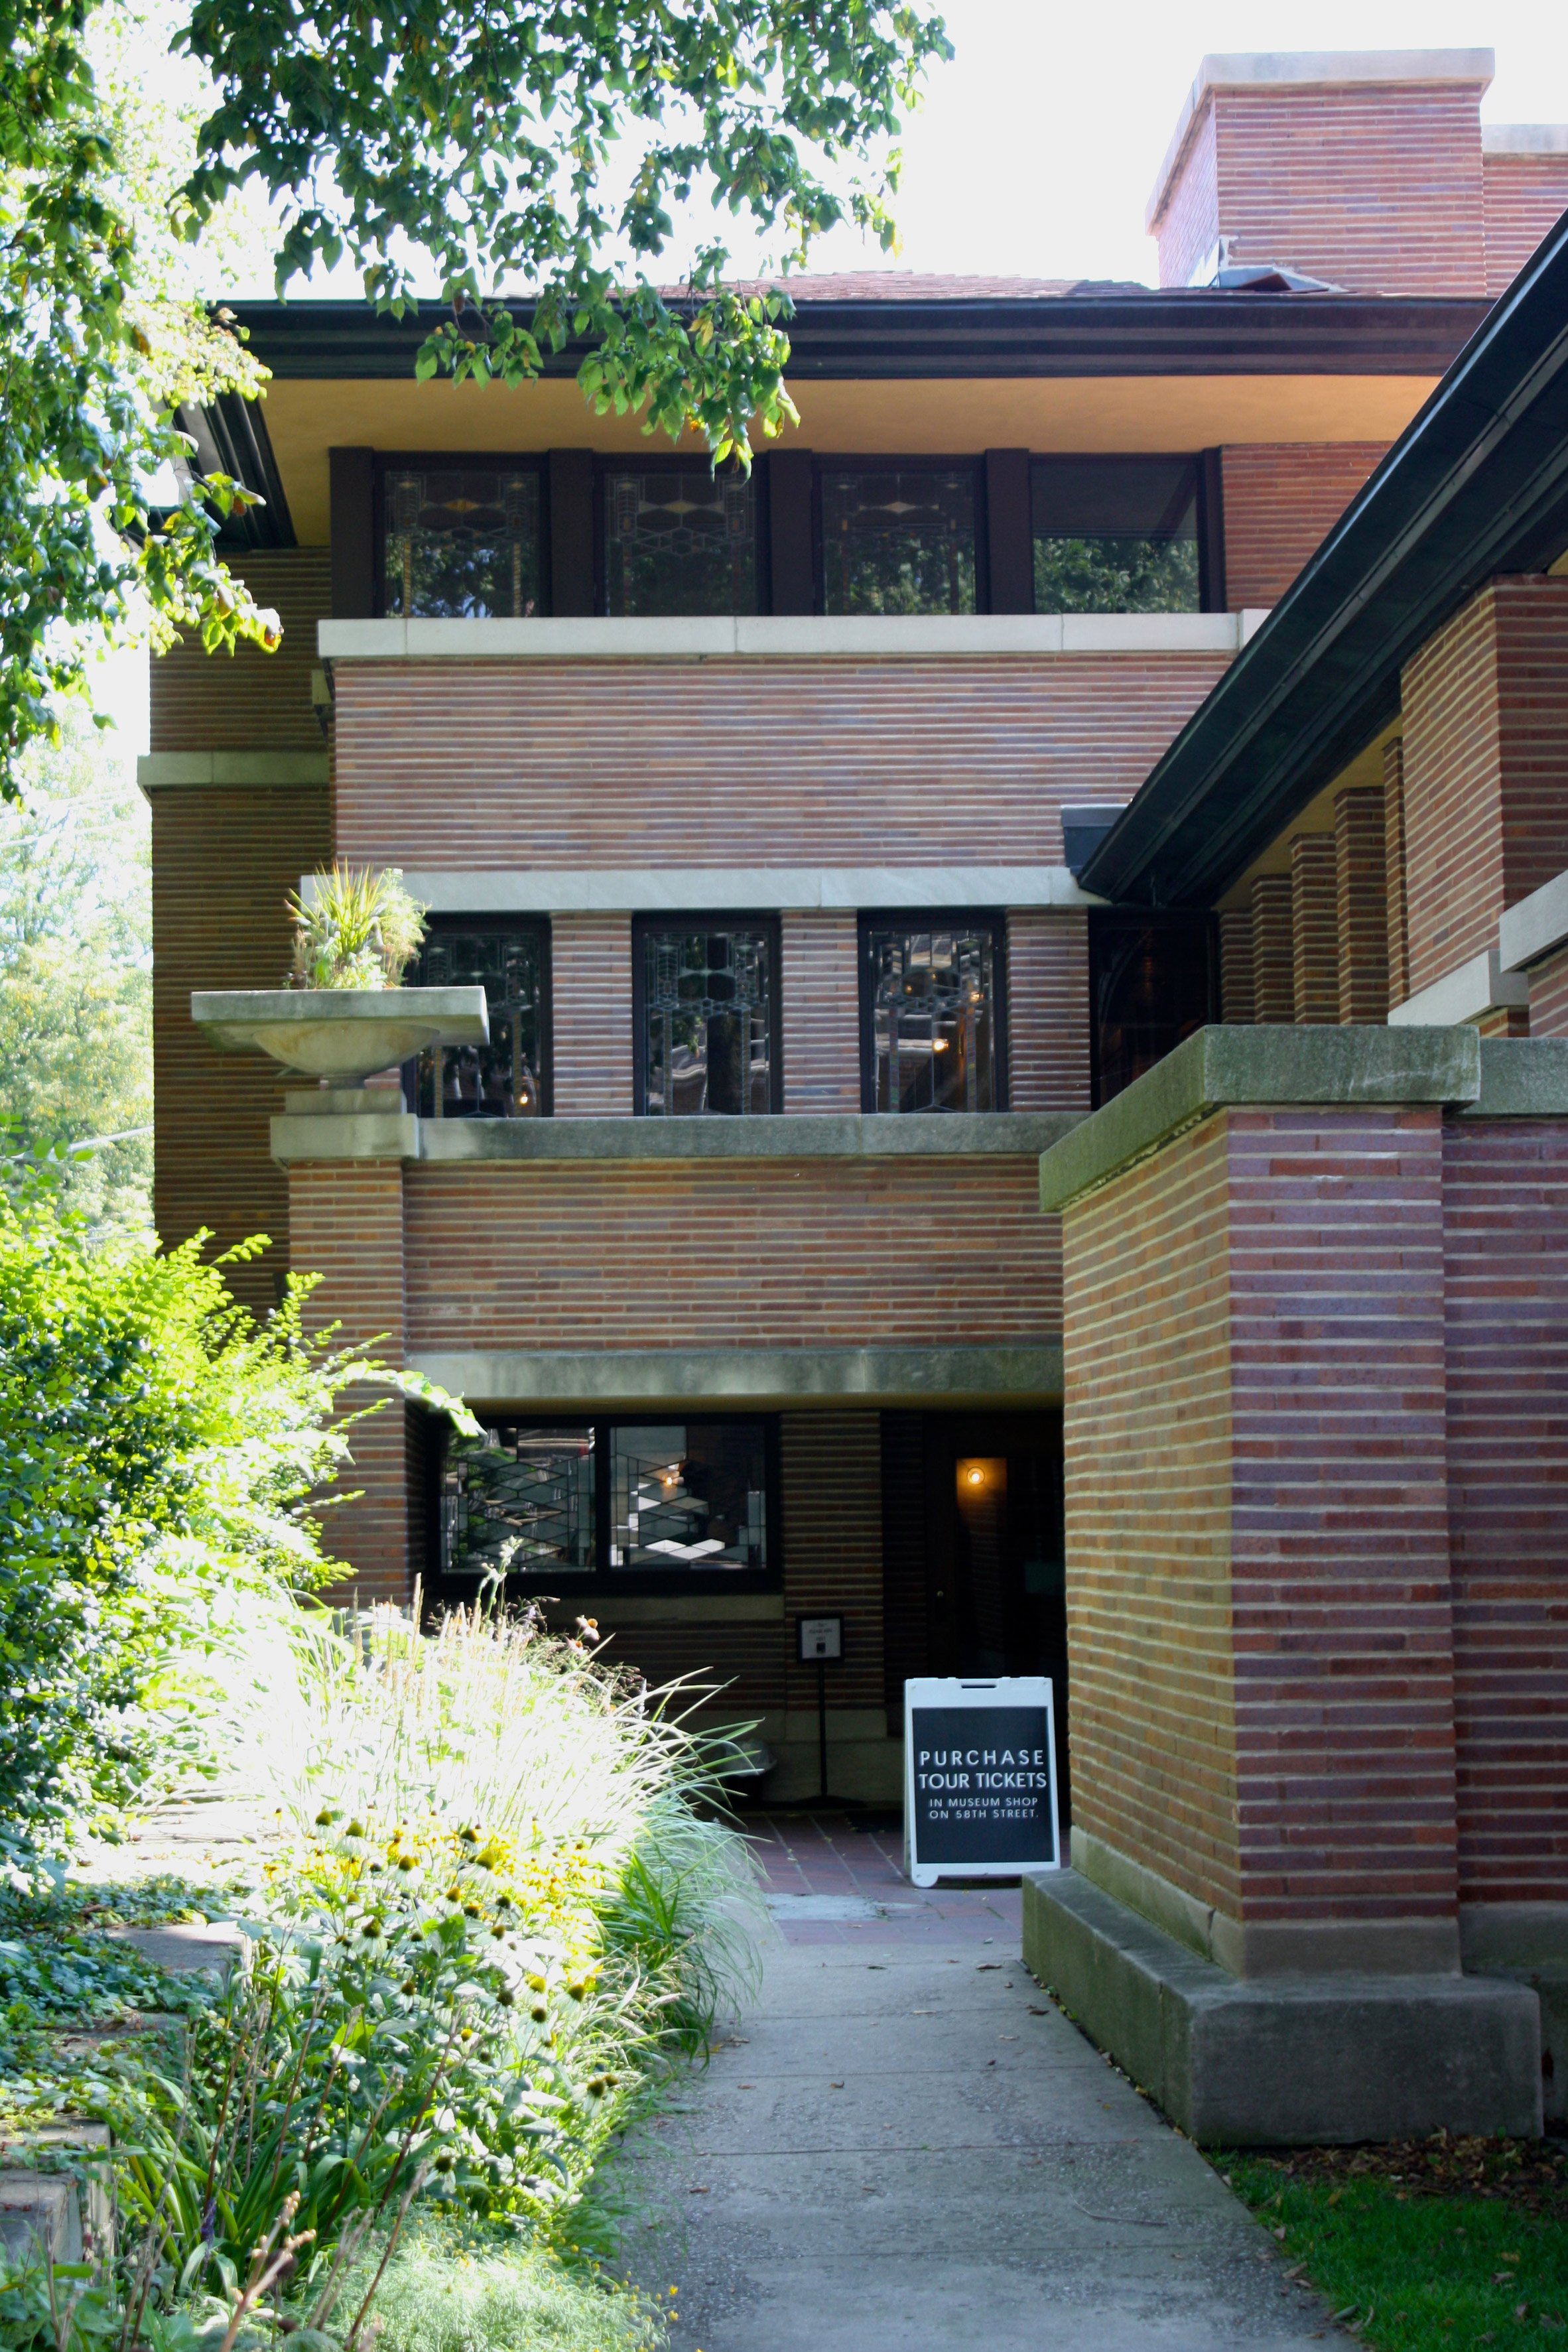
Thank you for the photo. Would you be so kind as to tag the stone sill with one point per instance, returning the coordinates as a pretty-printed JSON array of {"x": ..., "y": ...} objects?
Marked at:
[
  {"x": 1006, "y": 1372},
  {"x": 859, "y": 637},
  {"x": 847, "y": 1135},
  {"x": 759, "y": 889},
  {"x": 1536, "y": 924}
]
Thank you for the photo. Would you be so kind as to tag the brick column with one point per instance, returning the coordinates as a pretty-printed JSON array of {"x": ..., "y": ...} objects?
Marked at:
[
  {"x": 1394, "y": 842},
  {"x": 1273, "y": 950},
  {"x": 820, "y": 1010},
  {"x": 1047, "y": 1009},
  {"x": 345, "y": 1224},
  {"x": 1360, "y": 853},
  {"x": 830, "y": 1498},
  {"x": 1314, "y": 928},
  {"x": 591, "y": 995},
  {"x": 1235, "y": 992}
]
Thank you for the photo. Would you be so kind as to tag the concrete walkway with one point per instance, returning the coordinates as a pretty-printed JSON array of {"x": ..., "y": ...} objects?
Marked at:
[{"x": 907, "y": 2148}]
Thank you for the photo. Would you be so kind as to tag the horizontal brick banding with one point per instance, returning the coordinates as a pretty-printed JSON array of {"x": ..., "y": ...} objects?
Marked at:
[
  {"x": 1236, "y": 992},
  {"x": 1281, "y": 500},
  {"x": 1526, "y": 195},
  {"x": 1273, "y": 950},
  {"x": 1314, "y": 928},
  {"x": 830, "y": 1482},
  {"x": 1506, "y": 1237},
  {"x": 782, "y": 1254},
  {"x": 1393, "y": 839},
  {"x": 1048, "y": 1010},
  {"x": 820, "y": 1010},
  {"x": 1189, "y": 222},
  {"x": 223, "y": 702},
  {"x": 1361, "y": 867},
  {"x": 222, "y": 862},
  {"x": 1549, "y": 997},
  {"x": 591, "y": 1008},
  {"x": 841, "y": 762}
]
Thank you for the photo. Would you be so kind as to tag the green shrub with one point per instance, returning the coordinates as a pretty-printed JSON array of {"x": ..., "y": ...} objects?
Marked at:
[
  {"x": 436, "y": 2298},
  {"x": 357, "y": 928}
]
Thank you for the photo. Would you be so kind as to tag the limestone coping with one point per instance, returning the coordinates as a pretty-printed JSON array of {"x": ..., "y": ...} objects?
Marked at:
[
  {"x": 1522, "y": 1077},
  {"x": 758, "y": 1377},
  {"x": 347, "y": 1033},
  {"x": 1220, "y": 1067},
  {"x": 1534, "y": 926},
  {"x": 782, "y": 636},
  {"x": 395, "y": 1134},
  {"x": 762, "y": 889},
  {"x": 1475, "y": 987}
]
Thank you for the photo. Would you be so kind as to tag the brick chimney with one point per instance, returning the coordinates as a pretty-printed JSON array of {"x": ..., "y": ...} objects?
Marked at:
[{"x": 1361, "y": 167}]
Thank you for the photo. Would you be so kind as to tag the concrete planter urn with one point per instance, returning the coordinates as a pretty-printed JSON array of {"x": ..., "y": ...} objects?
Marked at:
[{"x": 341, "y": 1035}]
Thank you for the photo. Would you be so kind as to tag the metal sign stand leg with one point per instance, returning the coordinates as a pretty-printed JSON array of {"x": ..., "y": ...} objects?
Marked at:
[{"x": 821, "y": 1732}]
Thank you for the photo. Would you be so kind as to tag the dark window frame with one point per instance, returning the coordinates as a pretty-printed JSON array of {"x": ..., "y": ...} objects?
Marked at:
[
  {"x": 602, "y": 1581},
  {"x": 1207, "y": 530},
  {"x": 672, "y": 462},
  {"x": 730, "y": 919},
  {"x": 517, "y": 926},
  {"x": 458, "y": 461},
  {"x": 929, "y": 918},
  {"x": 973, "y": 462},
  {"x": 1103, "y": 923}
]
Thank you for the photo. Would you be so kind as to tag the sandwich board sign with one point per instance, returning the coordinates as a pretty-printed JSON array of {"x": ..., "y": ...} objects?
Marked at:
[{"x": 980, "y": 1778}]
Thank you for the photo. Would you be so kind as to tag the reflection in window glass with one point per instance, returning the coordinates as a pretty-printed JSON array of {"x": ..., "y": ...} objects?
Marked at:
[
  {"x": 1151, "y": 984},
  {"x": 898, "y": 542},
  {"x": 688, "y": 1495},
  {"x": 933, "y": 1018},
  {"x": 460, "y": 545},
  {"x": 1115, "y": 534},
  {"x": 519, "y": 1501},
  {"x": 679, "y": 540},
  {"x": 707, "y": 1022},
  {"x": 508, "y": 1078}
]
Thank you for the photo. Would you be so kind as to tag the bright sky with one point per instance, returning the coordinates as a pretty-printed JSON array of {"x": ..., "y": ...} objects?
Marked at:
[{"x": 1037, "y": 146}]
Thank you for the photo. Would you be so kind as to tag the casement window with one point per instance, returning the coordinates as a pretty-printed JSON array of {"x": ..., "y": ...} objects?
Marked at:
[
  {"x": 676, "y": 539},
  {"x": 1116, "y": 534},
  {"x": 1152, "y": 980},
  {"x": 659, "y": 1503},
  {"x": 704, "y": 1009},
  {"x": 458, "y": 540},
  {"x": 932, "y": 1020},
  {"x": 510, "y": 1077},
  {"x": 897, "y": 538}
]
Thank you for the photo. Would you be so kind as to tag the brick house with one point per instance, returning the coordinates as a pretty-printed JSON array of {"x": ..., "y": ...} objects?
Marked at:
[{"x": 774, "y": 815}]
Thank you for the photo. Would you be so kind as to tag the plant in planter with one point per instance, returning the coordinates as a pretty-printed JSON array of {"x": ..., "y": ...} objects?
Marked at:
[{"x": 357, "y": 929}]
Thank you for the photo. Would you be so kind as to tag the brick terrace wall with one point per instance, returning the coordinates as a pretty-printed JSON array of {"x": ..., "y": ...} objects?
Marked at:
[
  {"x": 1549, "y": 997},
  {"x": 1314, "y": 928},
  {"x": 1506, "y": 1237},
  {"x": 1394, "y": 838},
  {"x": 1361, "y": 868},
  {"x": 1525, "y": 197},
  {"x": 239, "y": 702},
  {"x": 819, "y": 1009},
  {"x": 1048, "y": 1010},
  {"x": 787, "y": 1254},
  {"x": 222, "y": 861},
  {"x": 1236, "y": 987},
  {"x": 1273, "y": 950},
  {"x": 591, "y": 1001},
  {"x": 1190, "y": 221},
  {"x": 1486, "y": 735},
  {"x": 1376, "y": 188},
  {"x": 840, "y": 763},
  {"x": 1281, "y": 500},
  {"x": 1147, "y": 1439}
]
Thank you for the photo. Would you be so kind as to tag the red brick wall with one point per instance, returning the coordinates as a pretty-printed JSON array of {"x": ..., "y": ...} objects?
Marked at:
[
  {"x": 222, "y": 861},
  {"x": 1190, "y": 222},
  {"x": 591, "y": 1016},
  {"x": 1485, "y": 737},
  {"x": 819, "y": 1003},
  {"x": 830, "y": 1481},
  {"x": 1236, "y": 998},
  {"x": 1314, "y": 926},
  {"x": 247, "y": 699},
  {"x": 1273, "y": 950},
  {"x": 1281, "y": 500},
  {"x": 1361, "y": 862},
  {"x": 1526, "y": 195},
  {"x": 1394, "y": 838},
  {"x": 1549, "y": 997},
  {"x": 671, "y": 1253},
  {"x": 1506, "y": 1217},
  {"x": 838, "y": 763},
  {"x": 1048, "y": 1010}
]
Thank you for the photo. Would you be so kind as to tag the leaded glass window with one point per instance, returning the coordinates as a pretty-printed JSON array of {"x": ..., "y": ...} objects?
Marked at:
[
  {"x": 932, "y": 1017},
  {"x": 460, "y": 543},
  {"x": 510, "y": 1077},
  {"x": 1152, "y": 983},
  {"x": 679, "y": 540},
  {"x": 519, "y": 1501},
  {"x": 1115, "y": 534},
  {"x": 707, "y": 1019},
  {"x": 898, "y": 541},
  {"x": 689, "y": 1495}
]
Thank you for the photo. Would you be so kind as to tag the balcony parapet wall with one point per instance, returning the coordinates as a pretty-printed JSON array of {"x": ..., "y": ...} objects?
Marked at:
[{"x": 368, "y": 1132}]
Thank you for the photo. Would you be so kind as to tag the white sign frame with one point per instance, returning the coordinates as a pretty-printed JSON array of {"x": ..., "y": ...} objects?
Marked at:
[{"x": 980, "y": 1693}]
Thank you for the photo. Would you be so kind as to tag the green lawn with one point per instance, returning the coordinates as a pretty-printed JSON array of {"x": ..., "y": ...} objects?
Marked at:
[{"x": 1416, "y": 2260}]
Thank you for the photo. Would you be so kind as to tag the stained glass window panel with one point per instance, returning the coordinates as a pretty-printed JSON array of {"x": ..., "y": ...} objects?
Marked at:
[
  {"x": 679, "y": 540},
  {"x": 519, "y": 1501},
  {"x": 688, "y": 1495},
  {"x": 510, "y": 1077},
  {"x": 898, "y": 541},
  {"x": 707, "y": 1021},
  {"x": 1152, "y": 982},
  {"x": 1115, "y": 534},
  {"x": 460, "y": 545},
  {"x": 933, "y": 1018}
]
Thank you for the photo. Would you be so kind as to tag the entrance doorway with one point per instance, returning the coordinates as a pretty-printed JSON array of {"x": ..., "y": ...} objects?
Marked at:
[{"x": 972, "y": 1552}]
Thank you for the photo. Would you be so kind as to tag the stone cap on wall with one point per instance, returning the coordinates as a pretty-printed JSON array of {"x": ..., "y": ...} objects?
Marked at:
[{"x": 396, "y": 1134}]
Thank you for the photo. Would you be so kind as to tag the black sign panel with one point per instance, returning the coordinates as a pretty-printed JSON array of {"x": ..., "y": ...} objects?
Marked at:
[{"x": 981, "y": 1788}]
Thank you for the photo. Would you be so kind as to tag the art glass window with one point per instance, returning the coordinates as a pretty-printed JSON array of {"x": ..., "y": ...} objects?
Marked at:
[
  {"x": 932, "y": 1017},
  {"x": 898, "y": 541},
  {"x": 1152, "y": 983},
  {"x": 520, "y": 1501},
  {"x": 1115, "y": 534},
  {"x": 707, "y": 1020},
  {"x": 460, "y": 544},
  {"x": 679, "y": 540},
  {"x": 510, "y": 1077},
  {"x": 689, "y": 1495}
]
